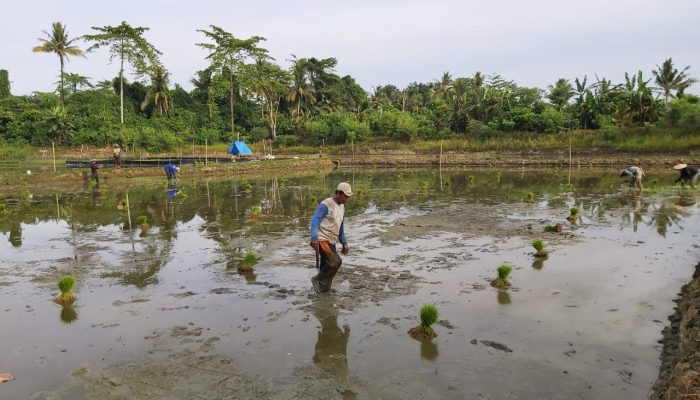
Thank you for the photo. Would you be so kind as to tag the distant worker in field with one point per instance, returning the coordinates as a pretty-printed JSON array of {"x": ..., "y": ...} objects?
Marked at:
[
  {"x": 171, "y": 171},
  {"x": 94, "y": 166},
  {"x": 688, "y": 174},
  {"x": 327, "y": 229},
  {"x": 634, "y": 176},
  {"x": 117, "y": 154}
]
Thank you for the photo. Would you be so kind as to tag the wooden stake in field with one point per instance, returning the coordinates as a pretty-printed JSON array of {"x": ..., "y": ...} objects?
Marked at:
[
  {"x": 206, "y": 151},
  {"x": 569, "y": 159},
  {"x": 53, "y": 150},
  {"x": 440, "y": 165},
  {"x": 128, "y": 210}
]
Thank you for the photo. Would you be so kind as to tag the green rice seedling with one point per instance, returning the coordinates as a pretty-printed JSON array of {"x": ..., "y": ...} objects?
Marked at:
[
  {"x": 65, "y": 284},
  {"x": 471, "y": 179},
  {"x": 574, "y": 214},
  {"x": 313, "y": 200},
  {"x": 248, "y": 262},
  {"x": 538, "y": 244},
  {"x": 247, "y": 187},
  {"x": 142, "y": 219},
  {"x": 255, "y": 211},
  {"x": 550, "y": 228},
  {"x": 502, "y": 281},
  {"x": 424, "y": 184},
  {"x": 498, "y": 176},
  {"x": 122, "y": 205},
  {"x": 2, "y": 207},
  {"x": 27, "y": 194},
  {"x": 428, "y": 316},
  {"x": 530, "y": 197}
]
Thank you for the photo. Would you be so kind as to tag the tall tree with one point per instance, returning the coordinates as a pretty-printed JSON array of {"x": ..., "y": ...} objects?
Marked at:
[
  {"x": 128, "y": 44},
  {"x": 4, "y": 84},
  {"x": 668, "y": 78},
  {"x": 158, "y": 93},
  {"x": 301, "y": 89},
  {"x": 228, "y": 55},
  {"x": 560, "y": 93},
  {"x": 270, "y": 83},
  {"x": 443, "y": 87},
  {"x": 57, "y": 42},
  {"x": 76, "y": 81}
]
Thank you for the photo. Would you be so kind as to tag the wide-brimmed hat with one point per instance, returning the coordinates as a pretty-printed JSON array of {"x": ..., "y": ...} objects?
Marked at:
[
  {"x": 345, "y": 188},
  {"x": 680, "y": 166}
]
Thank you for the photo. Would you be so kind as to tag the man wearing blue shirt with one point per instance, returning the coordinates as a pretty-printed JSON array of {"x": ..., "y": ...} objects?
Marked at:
[
  {"x": 326, "y": 231},
  {"x": 171, "y": 171}
]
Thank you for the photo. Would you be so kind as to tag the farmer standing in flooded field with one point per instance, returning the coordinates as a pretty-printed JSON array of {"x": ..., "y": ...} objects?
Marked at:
[
  {"x": 326, "y": 231},
  {"x": 93, "y": 170}
]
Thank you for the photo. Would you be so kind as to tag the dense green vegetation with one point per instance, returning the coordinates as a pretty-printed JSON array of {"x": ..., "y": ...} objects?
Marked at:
[{"x": 244, "y": 92}]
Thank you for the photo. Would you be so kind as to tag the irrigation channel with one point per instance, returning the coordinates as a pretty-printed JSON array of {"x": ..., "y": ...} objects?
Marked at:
[{"x": 163, "y": 312}]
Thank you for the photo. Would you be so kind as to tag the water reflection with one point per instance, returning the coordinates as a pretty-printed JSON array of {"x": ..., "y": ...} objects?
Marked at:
[
  {"x": 228, "y": 206},
  {"x": 331, "y": 346},
  {"x": 16, "y": 235},
  {"x": 538, "y": 264},
  {"x": 429, "y": 350},
  {"x": 503, "y": 297},
  {"x": 68, "y": 314}
]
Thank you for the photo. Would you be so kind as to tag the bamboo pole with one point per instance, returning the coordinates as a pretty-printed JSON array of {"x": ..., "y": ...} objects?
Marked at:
[
  {"x": 128, "y": 210},
  {"x": 53, "y": 150}
]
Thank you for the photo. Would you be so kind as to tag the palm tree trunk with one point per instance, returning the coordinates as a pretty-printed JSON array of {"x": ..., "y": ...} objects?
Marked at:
[
  {"x": 63, "y": 102},
  {"x": 231, "y": 101}
]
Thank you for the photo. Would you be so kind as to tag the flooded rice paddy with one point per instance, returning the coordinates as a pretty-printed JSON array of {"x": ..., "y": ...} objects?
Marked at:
[{"x": 164, "y": 313}]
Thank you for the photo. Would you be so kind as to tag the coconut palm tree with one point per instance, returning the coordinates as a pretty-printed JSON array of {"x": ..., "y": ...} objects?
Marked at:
[
  {"x": 57, "y": 42},
  {"x": 443, "y": 87},
  {"x": 301, "y": 90},
  {"x": 158, "y": 94},
  {"x": 560, "y": 93},
  {"x": 668, "y": 78}
]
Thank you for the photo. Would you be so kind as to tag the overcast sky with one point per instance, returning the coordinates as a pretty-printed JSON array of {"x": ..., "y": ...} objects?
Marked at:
[{"x": 378, "y": 42}]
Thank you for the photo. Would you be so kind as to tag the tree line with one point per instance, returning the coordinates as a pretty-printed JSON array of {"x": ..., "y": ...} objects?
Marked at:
[{"x": 243, "y": 91}]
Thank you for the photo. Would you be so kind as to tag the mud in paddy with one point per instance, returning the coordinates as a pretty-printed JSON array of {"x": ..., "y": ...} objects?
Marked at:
[{"x": 165, "y": 314}]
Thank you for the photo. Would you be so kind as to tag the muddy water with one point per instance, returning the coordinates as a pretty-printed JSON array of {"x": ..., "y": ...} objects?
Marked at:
[{"x": 163, "y": 313}]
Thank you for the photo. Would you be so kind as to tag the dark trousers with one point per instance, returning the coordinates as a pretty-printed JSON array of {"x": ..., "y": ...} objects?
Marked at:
[
  {"x": 328, "y": 265},
  {"x": 117, "y": 161}
]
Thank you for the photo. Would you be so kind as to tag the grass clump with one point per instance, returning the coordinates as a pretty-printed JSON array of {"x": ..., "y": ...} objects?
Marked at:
[
  {"x": 65, "y": 285},
  {"x": 122, "y": 205},
  {"x": 428, "y": 316},
  {"x": 538, "y": 244},
  {"x": 502, "y": 281}
]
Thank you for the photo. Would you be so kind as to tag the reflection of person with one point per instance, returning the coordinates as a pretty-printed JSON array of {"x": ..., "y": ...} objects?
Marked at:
[
  {"x": 634, "y": 176},
  {"x": 171, "y": 171},
  {"x": 331, "y": 346},
  {"x": 93, "y": 169},
  {"x": 326, "y": 231},
  {"x": 117, "y": 154},
  {"x": 688, "y": 174}
]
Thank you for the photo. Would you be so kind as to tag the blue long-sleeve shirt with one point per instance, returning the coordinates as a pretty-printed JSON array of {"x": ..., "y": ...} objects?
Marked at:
[{"x": 317, "y": 219}]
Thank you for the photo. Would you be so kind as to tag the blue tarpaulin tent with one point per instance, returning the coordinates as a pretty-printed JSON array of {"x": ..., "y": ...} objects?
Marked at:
[{"x": 239, "y": 148}]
